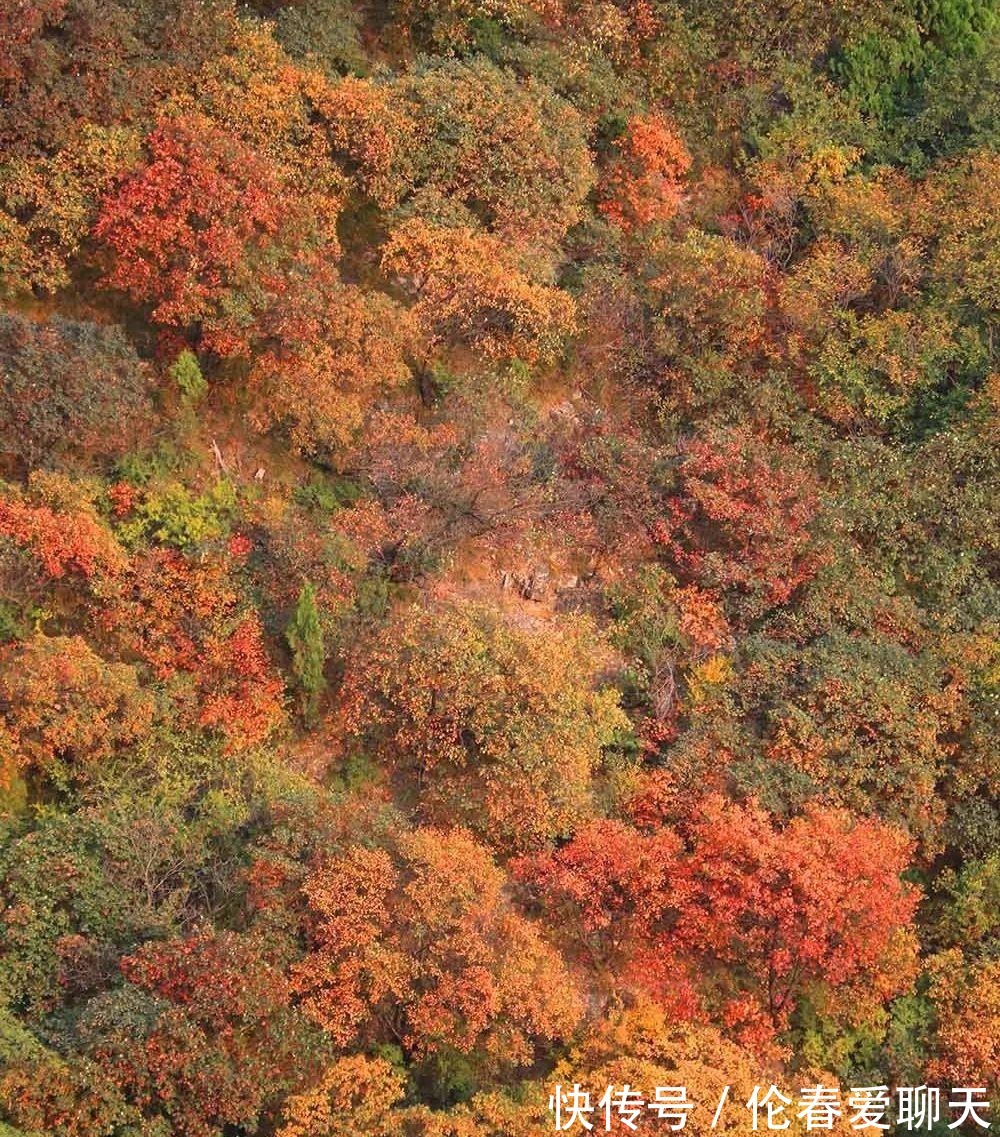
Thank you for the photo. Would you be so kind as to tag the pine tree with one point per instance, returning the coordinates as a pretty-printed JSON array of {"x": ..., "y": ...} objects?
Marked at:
[{"x": 305, "y": 638}]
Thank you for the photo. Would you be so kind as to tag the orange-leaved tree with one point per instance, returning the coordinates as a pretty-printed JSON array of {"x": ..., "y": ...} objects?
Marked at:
[
  {"x": 468, "y": 289},
  {"x": 643, "y": 184},
  {"x": 421, "y": 946},
  {"x": 63, "y": 708}
]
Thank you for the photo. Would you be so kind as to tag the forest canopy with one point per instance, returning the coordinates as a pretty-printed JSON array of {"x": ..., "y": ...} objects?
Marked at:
[{"x": 499, "y": 559}]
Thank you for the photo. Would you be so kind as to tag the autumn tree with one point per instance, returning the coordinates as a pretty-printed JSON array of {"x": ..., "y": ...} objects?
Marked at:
[
  {"x": 709, "y": 303},
  {"x": 870, "y": 342},
  {"x": 325, "y": 33},
  {"x": 355, "y": 1094},
  {"x": 218, "y": 1041},
  {"x": 814, "y": 923},
  {"x": 613, "y": 881},
  {"x": 358, "y": 1092},
  {"x": 59, "y": 67},
  {"x": 197, "y": 230},
  {"x": 741, "y": 519},
  {"x": 420, "y": 944},
  {"x": 512, "y": 153},
  {"x": 64, "y": 1098},
  {"x": 643, "y": 183},
  {"x": 55, "y": 549},
  {"x": 63, "y": 382},
  {"x": 953, "y": 215},
  {"x": 187, "y": 621},
  {"x": 746, "y": 918},
  {"x": 69, "y": 915},
  {"x": 643, "y": 1047},
  {"x": 866, "y": 720},
  {"x": 965, "y": 995},
  {"x": 254, "y": 92},
  {"x": 502, "y": 726},
  {"x": 371, "y": 137},
  {"x": 468, "y": 290},
  {"x": 48, "y": 204},
  {"x": 63, "y": 708},
  {"x": 666, "y": 632},
  {"x": 327, "y": 352},
  {"x": 451, "y": 25}
]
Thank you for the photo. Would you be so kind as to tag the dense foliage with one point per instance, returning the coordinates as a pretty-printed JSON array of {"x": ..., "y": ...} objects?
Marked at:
[{"x": 498, "y": 558}]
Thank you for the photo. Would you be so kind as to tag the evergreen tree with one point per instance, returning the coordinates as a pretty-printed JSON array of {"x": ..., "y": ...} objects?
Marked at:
[{"x": 305, "y": 638}]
